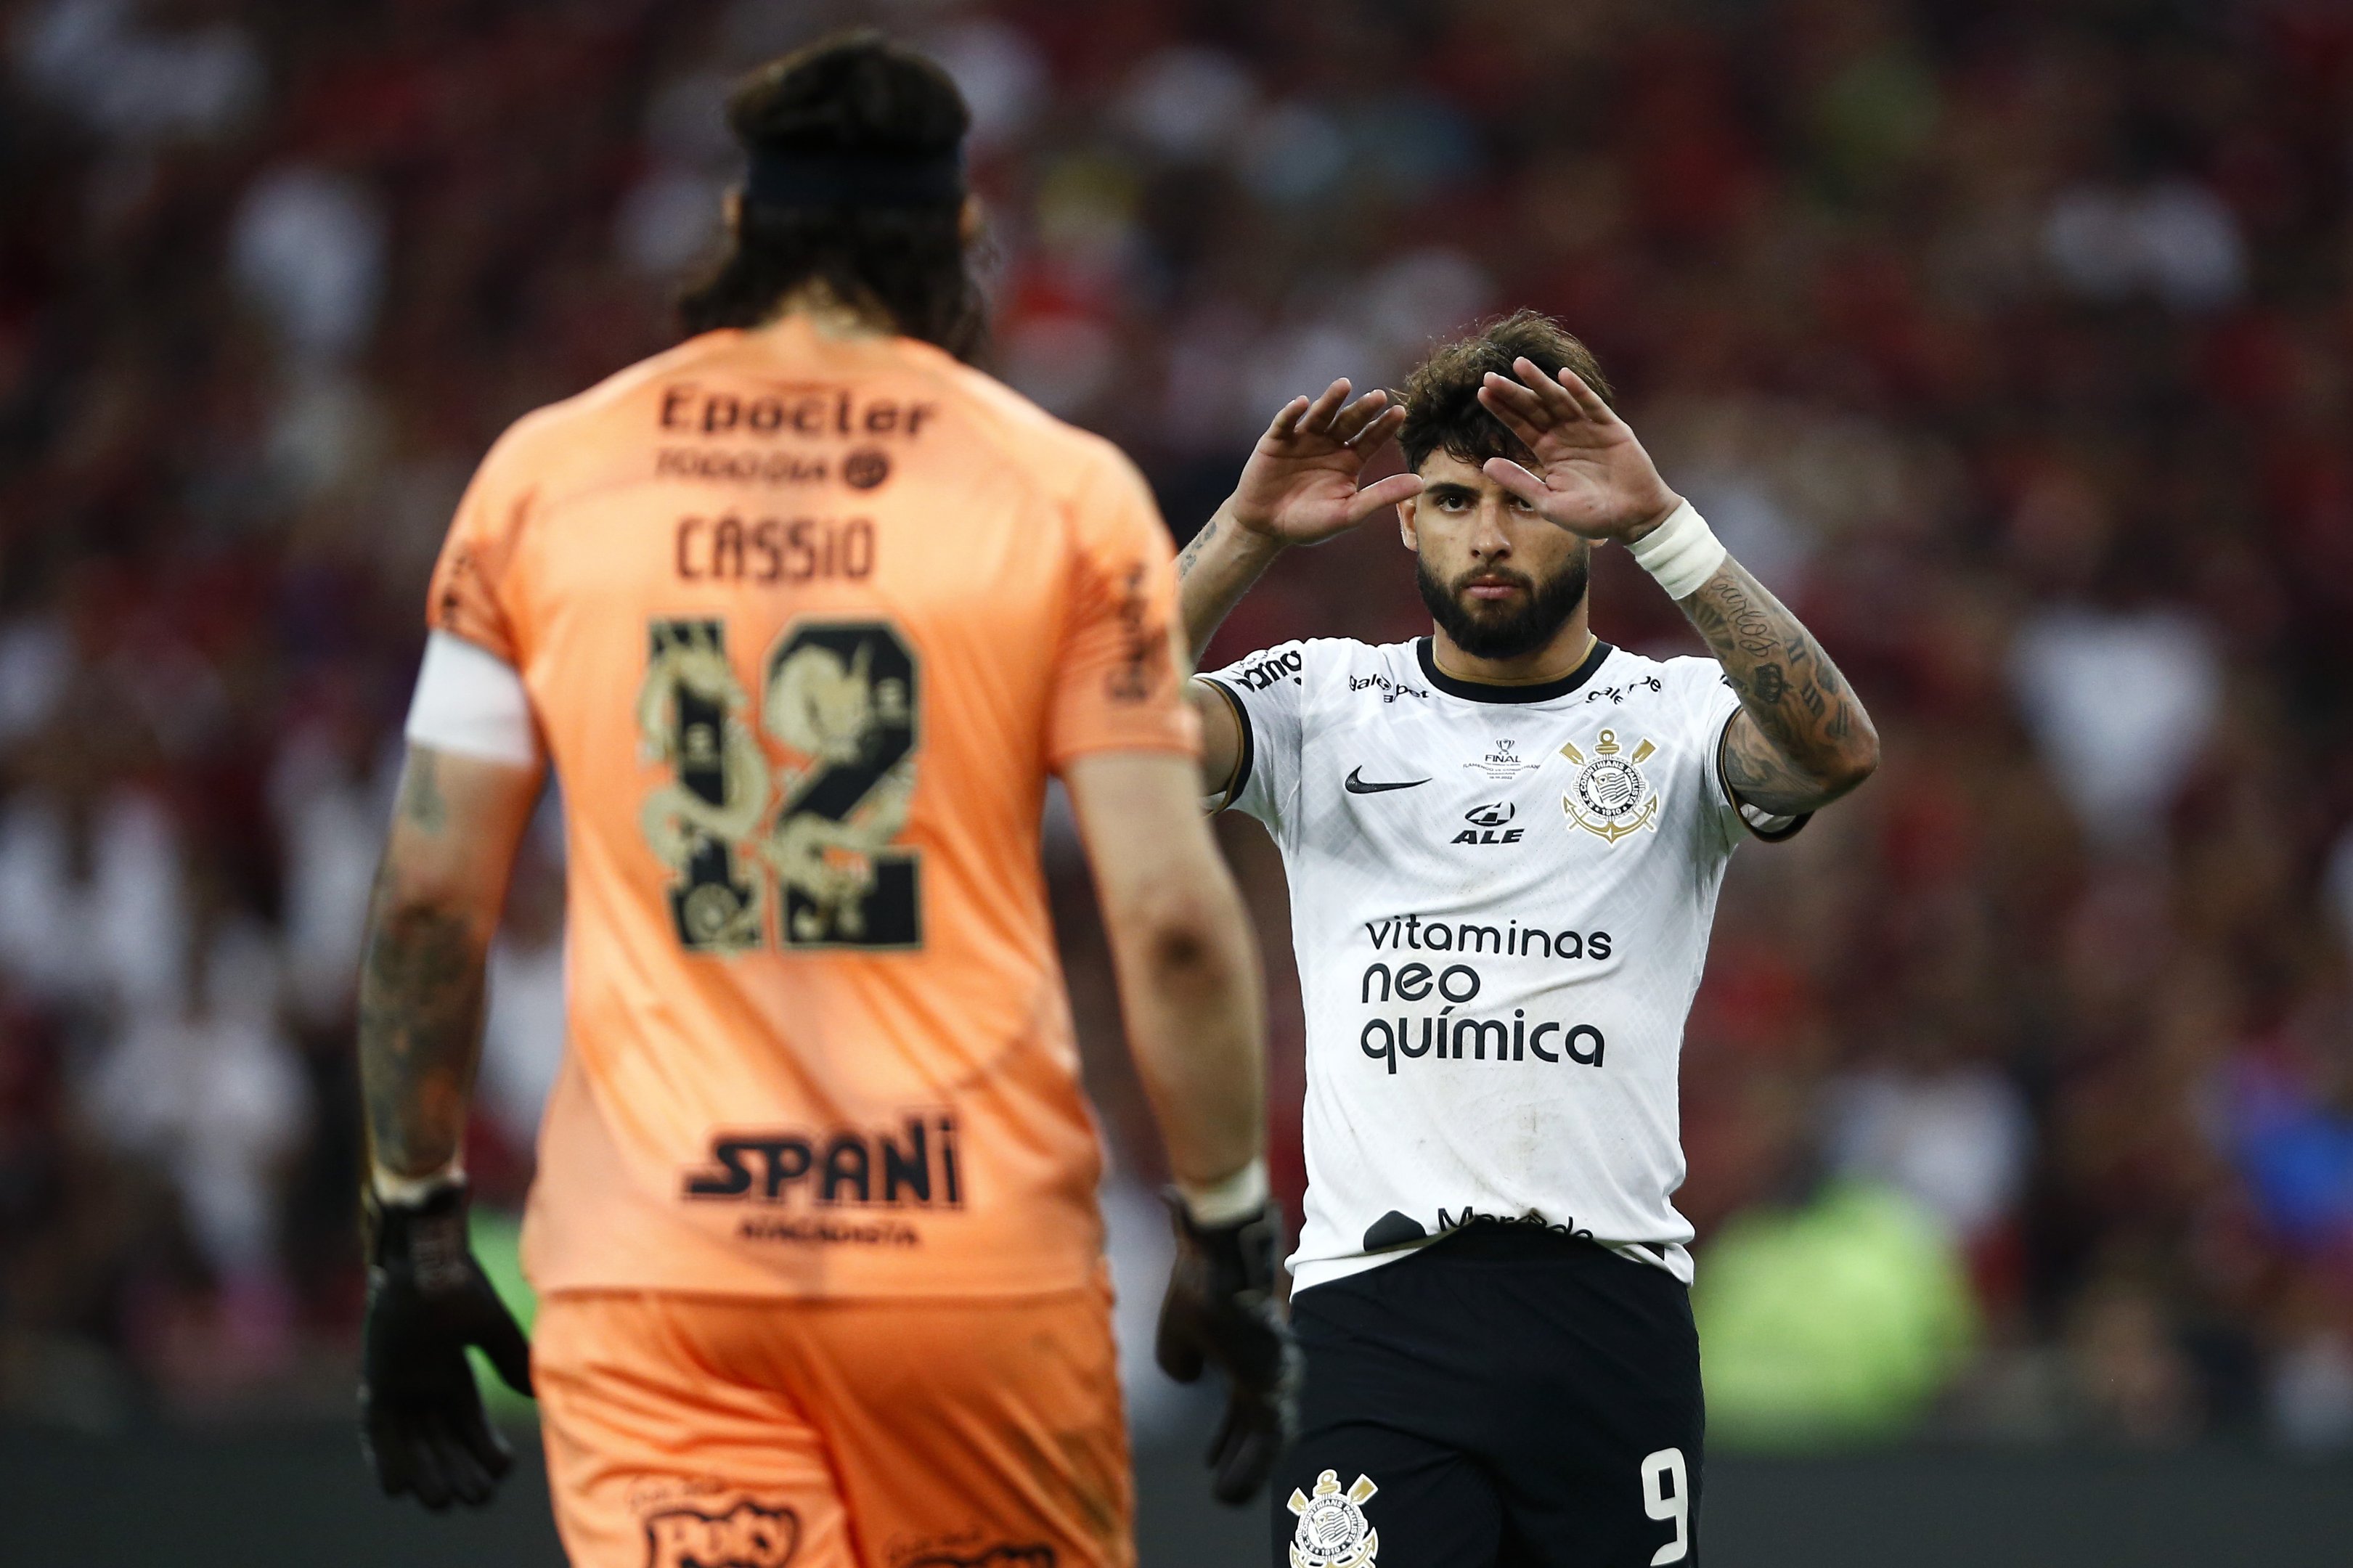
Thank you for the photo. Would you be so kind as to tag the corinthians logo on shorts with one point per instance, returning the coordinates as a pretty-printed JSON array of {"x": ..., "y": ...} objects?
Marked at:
[
  {"x": 1333, "y": 1530},
  {"x": 1611, "y": 797}
]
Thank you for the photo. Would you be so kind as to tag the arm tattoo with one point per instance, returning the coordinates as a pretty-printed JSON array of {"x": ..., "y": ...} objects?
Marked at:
[
  {"x": 420, "y": 1023},
  {"x": 420, "y": 1006},
  {"x": 1190, "y": 556},
  {"x": 1800, "y": 739}
]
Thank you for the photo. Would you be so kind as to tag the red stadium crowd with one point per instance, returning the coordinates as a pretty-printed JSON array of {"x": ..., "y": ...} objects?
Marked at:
[{"x": 2009, "y": 342}]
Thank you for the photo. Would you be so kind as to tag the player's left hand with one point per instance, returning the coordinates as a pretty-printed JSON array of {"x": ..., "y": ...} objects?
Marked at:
[
  {"x": 422, "y": 1426},
  {"x": 1221, "y": 1312},
  {"x": 1592, "y": 475}
]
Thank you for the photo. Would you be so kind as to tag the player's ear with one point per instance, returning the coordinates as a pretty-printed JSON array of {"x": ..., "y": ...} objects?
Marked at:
[
  {"x": 969, "y": 219},
  {"x": 1405, "y": 510}
]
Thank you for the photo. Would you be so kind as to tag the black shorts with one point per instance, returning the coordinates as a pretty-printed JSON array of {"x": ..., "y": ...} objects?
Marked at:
[{"x": 1505, "y": 1398}]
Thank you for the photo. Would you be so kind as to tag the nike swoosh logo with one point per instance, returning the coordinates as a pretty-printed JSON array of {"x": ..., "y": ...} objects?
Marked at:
[{"x": 1356, "y": 784}]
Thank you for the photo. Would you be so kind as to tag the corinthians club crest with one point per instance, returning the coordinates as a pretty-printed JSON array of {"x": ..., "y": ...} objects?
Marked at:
[
  {"x": 1333, "y": 1530},
  {"x": 1609, "y": 798}
]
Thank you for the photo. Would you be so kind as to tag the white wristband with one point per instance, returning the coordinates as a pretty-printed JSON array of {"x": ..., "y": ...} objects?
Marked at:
[
  {"x": 1237, "y": 1197},
  {"x": 1681, "y": 552},
  {"x": 391, "y": 1187}
]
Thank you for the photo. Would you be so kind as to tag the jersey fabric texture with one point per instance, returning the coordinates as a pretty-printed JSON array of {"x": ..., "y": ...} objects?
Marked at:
[
  {"x": 806, "y": 624},
  {"x": 1509, "y": 1397},
  {"x": 1500, "y": 901},
  {"x": 686, "y": 1433}
]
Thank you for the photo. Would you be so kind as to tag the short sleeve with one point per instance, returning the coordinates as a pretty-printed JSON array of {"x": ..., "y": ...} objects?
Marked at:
[
  {"x": 1267, "y": 688},
  {"x": 1118, "y": 673},
  {"x": 1712, "y": 704},
  {"x": 473, "y": 591}
]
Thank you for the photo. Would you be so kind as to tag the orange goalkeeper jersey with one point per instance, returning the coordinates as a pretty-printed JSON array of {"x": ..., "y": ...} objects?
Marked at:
[{"x": 806, "y": 624}]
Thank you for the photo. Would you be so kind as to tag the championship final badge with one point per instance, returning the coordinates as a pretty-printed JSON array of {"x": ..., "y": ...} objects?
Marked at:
[
  {"x": 1611, "y": 797},
  {"x": 1333, "y": 1530}
]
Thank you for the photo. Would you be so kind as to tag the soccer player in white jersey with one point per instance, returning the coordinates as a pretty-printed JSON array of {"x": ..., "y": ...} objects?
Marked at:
[{"x": 1504, "y": 842}]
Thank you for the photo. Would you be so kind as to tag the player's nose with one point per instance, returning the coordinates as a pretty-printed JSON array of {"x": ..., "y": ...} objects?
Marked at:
[{"x": 1490, "y": 540}]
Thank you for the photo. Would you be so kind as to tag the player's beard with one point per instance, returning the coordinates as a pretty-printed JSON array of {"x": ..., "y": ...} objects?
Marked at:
[{"x": 1527, "y": 625}]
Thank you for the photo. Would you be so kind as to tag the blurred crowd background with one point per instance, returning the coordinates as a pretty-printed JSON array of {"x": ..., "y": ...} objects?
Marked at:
[{"x": 2008, "y": 340}]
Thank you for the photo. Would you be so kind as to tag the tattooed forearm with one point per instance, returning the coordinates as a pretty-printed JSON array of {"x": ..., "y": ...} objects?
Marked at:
[
  {"x": 1190, "y": 556},
  {"x": 1801, "y": 739},
  {"x": 420, "y": 1026},
  {"x": 1214, "y": 571}
]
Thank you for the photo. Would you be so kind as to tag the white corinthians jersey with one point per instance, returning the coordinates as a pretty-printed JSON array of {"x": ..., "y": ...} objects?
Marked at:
[{"x": 1500, "y": 899}]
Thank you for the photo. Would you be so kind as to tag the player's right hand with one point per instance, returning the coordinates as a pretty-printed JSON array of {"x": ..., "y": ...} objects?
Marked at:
[
  {"x": 422, "y": 1426},
  {"x": 1301, "y": 485},
  {"x": 1221, "y": 1312}
]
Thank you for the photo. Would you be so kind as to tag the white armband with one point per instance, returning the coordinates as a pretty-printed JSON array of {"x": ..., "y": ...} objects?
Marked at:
[
  {"x": 1681, "y": 552},
  {"x": 1237, "y": 1197},
  {"x": 472, "y": 703}
]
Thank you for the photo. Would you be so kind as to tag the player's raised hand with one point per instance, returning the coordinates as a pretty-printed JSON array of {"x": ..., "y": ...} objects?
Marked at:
[
  {"x": 1592, "y": 475},
  {"x": 422, "y": 1426},
  {"x": 1220, "y": 1313},
  {"x": 1303, "y": 481}
]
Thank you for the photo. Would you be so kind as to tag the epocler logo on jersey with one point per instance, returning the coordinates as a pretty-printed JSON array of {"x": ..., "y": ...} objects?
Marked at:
[{"x": 809, "y": 411}]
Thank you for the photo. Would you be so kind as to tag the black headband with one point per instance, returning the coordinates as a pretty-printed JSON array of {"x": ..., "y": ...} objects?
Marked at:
[{"x": 783, "y": 179}]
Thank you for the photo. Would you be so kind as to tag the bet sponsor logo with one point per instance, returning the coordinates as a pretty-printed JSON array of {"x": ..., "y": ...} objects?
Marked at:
[
  {"x": 912, "y": 1167},
  {"x": 745, "y": 1536},
  {"x": 1390, "y": 691}
]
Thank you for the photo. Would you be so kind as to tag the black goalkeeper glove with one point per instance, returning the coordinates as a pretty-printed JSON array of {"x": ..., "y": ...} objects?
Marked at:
[
  {"x": 422, "y": 1426},
  {"x": 1221, "y": 1312}
]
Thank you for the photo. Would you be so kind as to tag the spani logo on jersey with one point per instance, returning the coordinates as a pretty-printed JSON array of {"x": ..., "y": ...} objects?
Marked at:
[
  {"x": 1609, "y": 798},
  {"x": 1333, "y": 1530}
]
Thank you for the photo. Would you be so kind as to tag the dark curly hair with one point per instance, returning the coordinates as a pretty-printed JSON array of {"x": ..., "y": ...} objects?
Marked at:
[
  {"x": 854, "y": 92},
  {"x": 1442, "y": 412}
]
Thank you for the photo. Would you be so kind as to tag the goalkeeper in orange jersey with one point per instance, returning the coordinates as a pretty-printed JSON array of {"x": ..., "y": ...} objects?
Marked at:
[{"x": 802, "y": 614}]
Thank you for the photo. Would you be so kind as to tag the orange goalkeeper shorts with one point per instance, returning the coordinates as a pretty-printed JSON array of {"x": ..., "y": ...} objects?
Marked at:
[{"x": 716, "y": 1432}]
